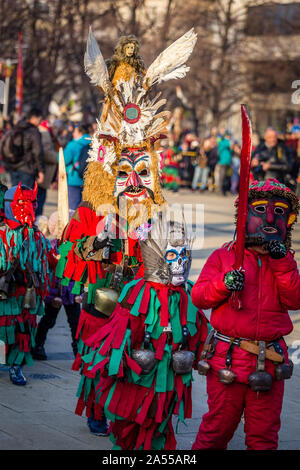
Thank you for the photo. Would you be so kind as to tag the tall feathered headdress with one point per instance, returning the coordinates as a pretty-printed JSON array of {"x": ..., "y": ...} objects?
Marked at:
[{"x": 131, "y": 118}]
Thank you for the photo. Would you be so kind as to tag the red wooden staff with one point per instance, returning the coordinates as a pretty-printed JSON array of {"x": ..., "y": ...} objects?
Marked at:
[{"x": 242, "y": 214}]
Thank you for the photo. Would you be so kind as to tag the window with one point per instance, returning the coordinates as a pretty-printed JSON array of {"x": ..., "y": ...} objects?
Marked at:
[{"x": 273, "y": 19}]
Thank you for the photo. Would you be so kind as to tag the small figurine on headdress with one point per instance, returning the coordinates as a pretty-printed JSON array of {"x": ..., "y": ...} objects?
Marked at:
[{"x": 126, "y": 62}]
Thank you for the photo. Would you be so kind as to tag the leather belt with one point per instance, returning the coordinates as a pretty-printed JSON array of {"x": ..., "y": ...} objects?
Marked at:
[
  {"x": 275, "y": 355},
  {"x": 230, "y": 340}
]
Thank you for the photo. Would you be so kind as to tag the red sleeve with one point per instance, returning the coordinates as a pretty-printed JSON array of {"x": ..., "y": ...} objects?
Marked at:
[
  {"x": 209, "y": 290},
  {"x": 288, "y": 280}
]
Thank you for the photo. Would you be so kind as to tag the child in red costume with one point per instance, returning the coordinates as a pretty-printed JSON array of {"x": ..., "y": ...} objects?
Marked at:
[{"x": 269, "y": 287}]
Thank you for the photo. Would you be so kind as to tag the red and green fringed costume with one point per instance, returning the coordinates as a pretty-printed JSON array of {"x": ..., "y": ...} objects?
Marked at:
[
  {"x": 80, "y": 267},
  {"x": 20, "y": 244},
  {"x": 141, "y": 405},
  {"x": 170, "y": 171}
]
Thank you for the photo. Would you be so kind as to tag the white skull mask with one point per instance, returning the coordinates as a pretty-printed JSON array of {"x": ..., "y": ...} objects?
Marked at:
[{"x": 179, "y": 263}]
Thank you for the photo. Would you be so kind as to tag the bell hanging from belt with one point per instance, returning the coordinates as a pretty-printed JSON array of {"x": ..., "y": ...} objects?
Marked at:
[
  {"x": 182, "y": 361},
  {"x": 29, "y": 299},
  {"x": 260, "y": 380},
  {"x": 203, "y": 366},
  {"x": 145, "y": 358},
  {"x": 106, "y": 300},
  {"x": 227, "y": 376},
  {"x": 284, "y": 371}
]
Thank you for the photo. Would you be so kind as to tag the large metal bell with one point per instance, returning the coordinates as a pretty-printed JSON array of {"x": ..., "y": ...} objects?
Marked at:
[
  {"x": 29, "y": 299},
  {"x": 260, "y": 381},
  {"x": 203, "y": 367},
  {"x": 106, "y": 300},
  {"x": 182, "y": 361},
  {"x": 145, "y": 358},
  {"x": 226, "y": 376},
  {"x": 284, "y": 371}
]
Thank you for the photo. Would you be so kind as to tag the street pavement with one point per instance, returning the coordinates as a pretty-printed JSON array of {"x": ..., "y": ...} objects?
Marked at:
[{"x": 41, "y": 415}]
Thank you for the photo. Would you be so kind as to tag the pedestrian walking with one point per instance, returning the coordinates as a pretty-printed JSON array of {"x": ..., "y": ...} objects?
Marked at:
[
  {"x": 224, "y": 164},
  {"x": 22, "y": 151},
  {"x": 201, "y": 170},
  {"x": 235, "y": 168},
  {"x": 50, "y": 163},
  {"x": 72, "y": 153},
  {"x": 271, "y": 158}
]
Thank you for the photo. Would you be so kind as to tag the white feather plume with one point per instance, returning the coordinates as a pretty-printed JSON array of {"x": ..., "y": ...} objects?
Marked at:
[
  {"x": 94, "y": 64},
  {"x": 170, "y": 64}
]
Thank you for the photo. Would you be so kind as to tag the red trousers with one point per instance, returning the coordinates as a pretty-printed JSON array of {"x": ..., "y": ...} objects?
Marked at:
[{"x": 226, "y": 405}]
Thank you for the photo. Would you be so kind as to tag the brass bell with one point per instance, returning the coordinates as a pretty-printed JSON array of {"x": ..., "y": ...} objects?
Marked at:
[
  {"x": 29, "y": 299},
  {"x": 203, "y": 367},
  {"x": 106, "y": 300},
  {"x": 145, "y": 358},
  {"x": 182, "y": 361},
  {"x": 4, "y": 286},
  {"x": 284, "y": 371},
  {"x": 57, "y": 302},
  {"x": 226, "y": 376}
]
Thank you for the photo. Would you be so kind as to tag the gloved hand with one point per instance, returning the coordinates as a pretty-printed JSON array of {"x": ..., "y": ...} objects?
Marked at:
[
  {"x": 277, "y": 249},
  {"x": 234, "y": 280},
  {"x": 105, "y": 233},
  {"x": 99, "y": 243}
]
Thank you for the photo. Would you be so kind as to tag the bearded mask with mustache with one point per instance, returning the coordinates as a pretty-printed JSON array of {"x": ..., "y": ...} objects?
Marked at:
[
  {"x": 133, "y": 189},
  {"x": 135, "y": 180}
]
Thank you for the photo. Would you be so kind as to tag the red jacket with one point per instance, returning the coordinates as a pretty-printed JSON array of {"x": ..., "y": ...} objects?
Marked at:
[{"x": 271, "y": 288}]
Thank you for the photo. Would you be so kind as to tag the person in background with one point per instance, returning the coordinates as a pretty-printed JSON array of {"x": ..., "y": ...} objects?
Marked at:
[
  {"x": 50, "y": 162},
  {"x": 212, "y": 159},
  {"x": 224, "y": 163},
  {"x": 29, "y": 166},
  {"x": 235, "y": 167},
  {"x": 189, "y": 153},
  {"x": 72, "y": 152},
  {"x": 201, "y": 170},
  {"x": 170, "y": 174},
  {"x": 271, "y": 158}
]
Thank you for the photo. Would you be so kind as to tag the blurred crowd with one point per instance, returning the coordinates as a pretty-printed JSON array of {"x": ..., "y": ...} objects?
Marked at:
[
  {"x": 29, "y": 153},
  {"x": 213, "y": 163}
]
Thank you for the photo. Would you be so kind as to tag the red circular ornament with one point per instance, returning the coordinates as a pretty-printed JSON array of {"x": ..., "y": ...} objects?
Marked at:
[{"x": 132, "y": 113}]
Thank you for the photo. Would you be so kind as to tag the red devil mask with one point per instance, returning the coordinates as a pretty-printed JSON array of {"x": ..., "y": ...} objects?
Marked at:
[
  {"x": 24, "y": 204},
  {"x": 272, "y": 210}
]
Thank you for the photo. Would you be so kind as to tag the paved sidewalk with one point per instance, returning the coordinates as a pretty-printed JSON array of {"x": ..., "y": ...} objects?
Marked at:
[{"x": 41, "y": 415}]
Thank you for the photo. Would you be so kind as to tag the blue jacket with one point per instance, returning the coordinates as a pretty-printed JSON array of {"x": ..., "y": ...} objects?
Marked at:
[
  {"x": 72, "y": 153},
  {"x": 224, "y": 152}
]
